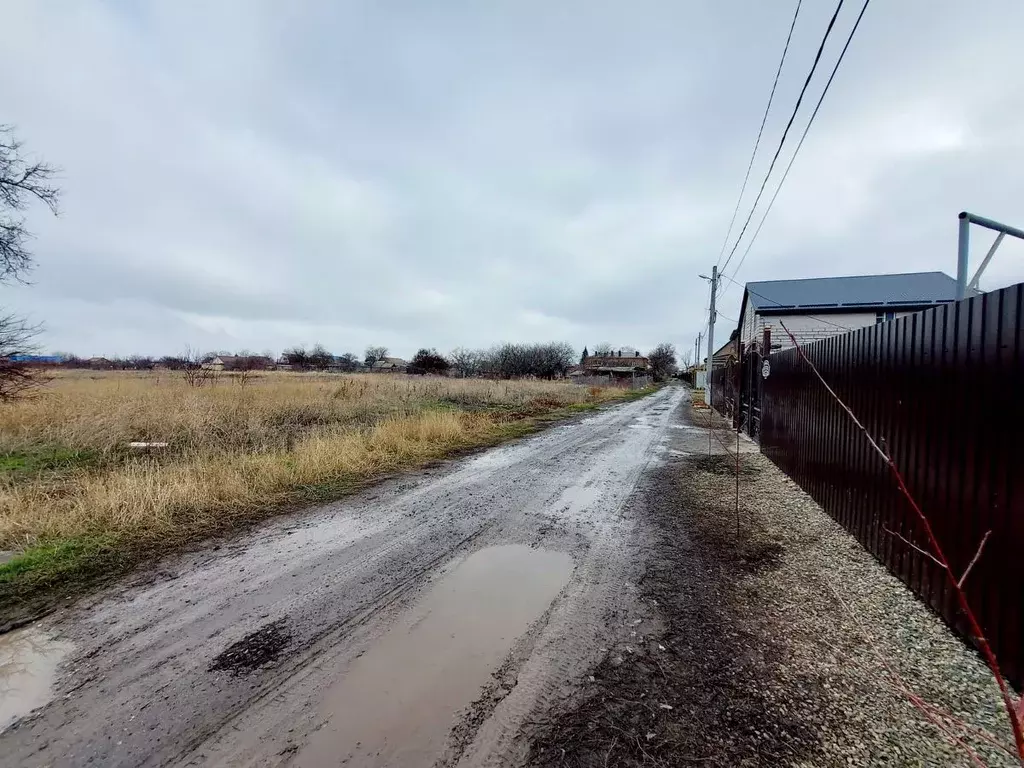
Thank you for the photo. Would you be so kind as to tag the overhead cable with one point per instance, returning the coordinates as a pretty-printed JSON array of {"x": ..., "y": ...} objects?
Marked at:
[
  {"x": 785, "y": 133},
  {"x": 760, "y": 131}
]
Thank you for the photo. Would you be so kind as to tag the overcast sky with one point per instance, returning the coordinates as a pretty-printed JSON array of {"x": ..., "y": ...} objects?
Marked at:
[{"x": 258, "y": 174}]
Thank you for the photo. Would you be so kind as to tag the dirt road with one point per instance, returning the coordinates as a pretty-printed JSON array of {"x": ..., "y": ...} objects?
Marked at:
[{"x": 428, "y": 618}]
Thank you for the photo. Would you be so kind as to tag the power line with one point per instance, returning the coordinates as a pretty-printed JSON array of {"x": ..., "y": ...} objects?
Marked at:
[
  {"x": 804, "y": 136},
  {"x": 785, "y": 133},
  {"x": 760, "y": 131}
]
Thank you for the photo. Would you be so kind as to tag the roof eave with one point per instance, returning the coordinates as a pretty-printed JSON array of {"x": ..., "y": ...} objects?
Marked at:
[{"x": 915, "y": 306}]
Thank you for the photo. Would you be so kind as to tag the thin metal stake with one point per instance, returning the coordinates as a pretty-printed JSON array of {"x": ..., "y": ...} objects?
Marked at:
[
  {"x": 737, "y": 483},
  {"x": 740, "y": 344}
]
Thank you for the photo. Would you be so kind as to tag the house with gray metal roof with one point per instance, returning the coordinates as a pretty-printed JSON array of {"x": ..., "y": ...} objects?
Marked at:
[
  {"x": 390, "y": 365},
  {"x": 819, "y": 307}
]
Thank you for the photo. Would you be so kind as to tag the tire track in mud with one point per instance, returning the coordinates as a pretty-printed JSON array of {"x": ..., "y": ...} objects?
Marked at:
[
  {"x": 138, "y": 690},
  {"x": 596, "y": 610},
  {"x": 301, "y": 657}
]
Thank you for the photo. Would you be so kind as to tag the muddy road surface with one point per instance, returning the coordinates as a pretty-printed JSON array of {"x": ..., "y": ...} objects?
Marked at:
[{"x": 427, "y": 620}]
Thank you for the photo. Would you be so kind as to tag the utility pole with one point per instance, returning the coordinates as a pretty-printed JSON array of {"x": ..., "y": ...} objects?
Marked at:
[{"x": 711, "y": 334}]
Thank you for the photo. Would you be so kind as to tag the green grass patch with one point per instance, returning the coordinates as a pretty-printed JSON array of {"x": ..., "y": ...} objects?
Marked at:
[
  {"x": 56, "y": 458},
  {"x": 43, "y": 576},
  {"x": 330, "y": 490},
  {"x": 50, "y": 562},
  {"x": 580, "y": 407}
]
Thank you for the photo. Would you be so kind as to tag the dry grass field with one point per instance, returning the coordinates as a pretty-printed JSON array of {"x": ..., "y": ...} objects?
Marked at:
[{"x": 74, "y": 497}]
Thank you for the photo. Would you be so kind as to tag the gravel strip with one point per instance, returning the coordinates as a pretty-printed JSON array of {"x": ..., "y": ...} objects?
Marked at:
[{"x": 752, "y": 659}]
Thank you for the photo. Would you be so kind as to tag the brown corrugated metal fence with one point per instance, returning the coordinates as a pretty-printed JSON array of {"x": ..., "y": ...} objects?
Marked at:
[{"x": 944, "y": 390}]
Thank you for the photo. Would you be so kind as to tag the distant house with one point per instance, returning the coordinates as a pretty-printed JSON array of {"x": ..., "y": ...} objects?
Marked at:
[
  {"x": 621, "y": 363},
  {"x": 100, "y": 363},
  {"x": 239, "y": 363},
  {"x": 818, "y": 308},
  {"x": 342, "y": 364},
  {"x": 390, "y": 365},
  {"x": 726, "y": 352}
]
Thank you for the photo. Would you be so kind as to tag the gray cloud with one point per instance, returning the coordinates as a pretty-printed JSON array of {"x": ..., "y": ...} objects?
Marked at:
[{"x": 259, "y": 174}]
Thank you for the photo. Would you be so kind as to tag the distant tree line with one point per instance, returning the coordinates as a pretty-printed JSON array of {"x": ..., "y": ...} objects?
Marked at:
[
  {"x": 503, "y": 361},
  {"x": 509, "y": 361}
]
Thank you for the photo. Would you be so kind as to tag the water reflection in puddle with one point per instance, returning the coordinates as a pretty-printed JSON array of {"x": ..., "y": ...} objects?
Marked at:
[
  {"x": 396, "y": 704},
  {"x": 28, "y": 670}
]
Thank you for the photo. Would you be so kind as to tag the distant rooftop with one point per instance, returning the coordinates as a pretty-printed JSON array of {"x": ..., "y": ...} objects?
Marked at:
[
  {"x": 912, "y": 289},
  {"x": 36, "y": 359},
  {"x": 390, "y": 362}
]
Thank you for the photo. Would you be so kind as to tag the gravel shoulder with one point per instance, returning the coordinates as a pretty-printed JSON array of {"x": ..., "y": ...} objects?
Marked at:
[{"x": 765, "y": 640}]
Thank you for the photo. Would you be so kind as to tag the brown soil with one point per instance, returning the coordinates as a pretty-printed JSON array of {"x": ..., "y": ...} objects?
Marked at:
[
  {"x": 254, "y": 650},
  {"x": 705, "y": 692}
]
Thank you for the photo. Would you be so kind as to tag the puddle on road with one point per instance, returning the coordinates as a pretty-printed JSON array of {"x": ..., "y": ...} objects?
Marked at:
[
  {"x": 28, "y": 670},
  {"x": 395, "y": 706}
]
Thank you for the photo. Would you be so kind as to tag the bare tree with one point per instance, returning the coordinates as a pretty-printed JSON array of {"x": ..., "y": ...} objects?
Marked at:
[
  {"x": 21, "y": 181},
  {"x": 17, "y": 378},
  {"x": 375, "y": 355},
  {"x": 347, "y": 363},
  {"x": 604, "y": 349},
  {"x": 244, "y": 367},
  {"x": 466, "y": 362},
  {"x": 245, "y": 375},
  {"x": 296, "y": 357},
  {"x": 193, "y": 371},
  {"x": 319, "y": 358},
  {"x": 663, "y": 361}
]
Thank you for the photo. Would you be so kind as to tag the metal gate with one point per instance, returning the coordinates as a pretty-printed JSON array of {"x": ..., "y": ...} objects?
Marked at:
[
  {"x": 737, "y": 388},
  {"x": 751, "y": 389}
]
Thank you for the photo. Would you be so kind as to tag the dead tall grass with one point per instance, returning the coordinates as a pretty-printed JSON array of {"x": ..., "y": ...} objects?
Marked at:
[{"x": 233, "y": 450}]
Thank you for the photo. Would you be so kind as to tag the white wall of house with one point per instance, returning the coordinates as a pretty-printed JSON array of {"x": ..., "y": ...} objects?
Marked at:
[{"x": 807, "y": 328}]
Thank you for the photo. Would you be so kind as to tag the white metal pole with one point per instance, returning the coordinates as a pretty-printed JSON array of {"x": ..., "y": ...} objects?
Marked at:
[{"x": 962, "y": 250}]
